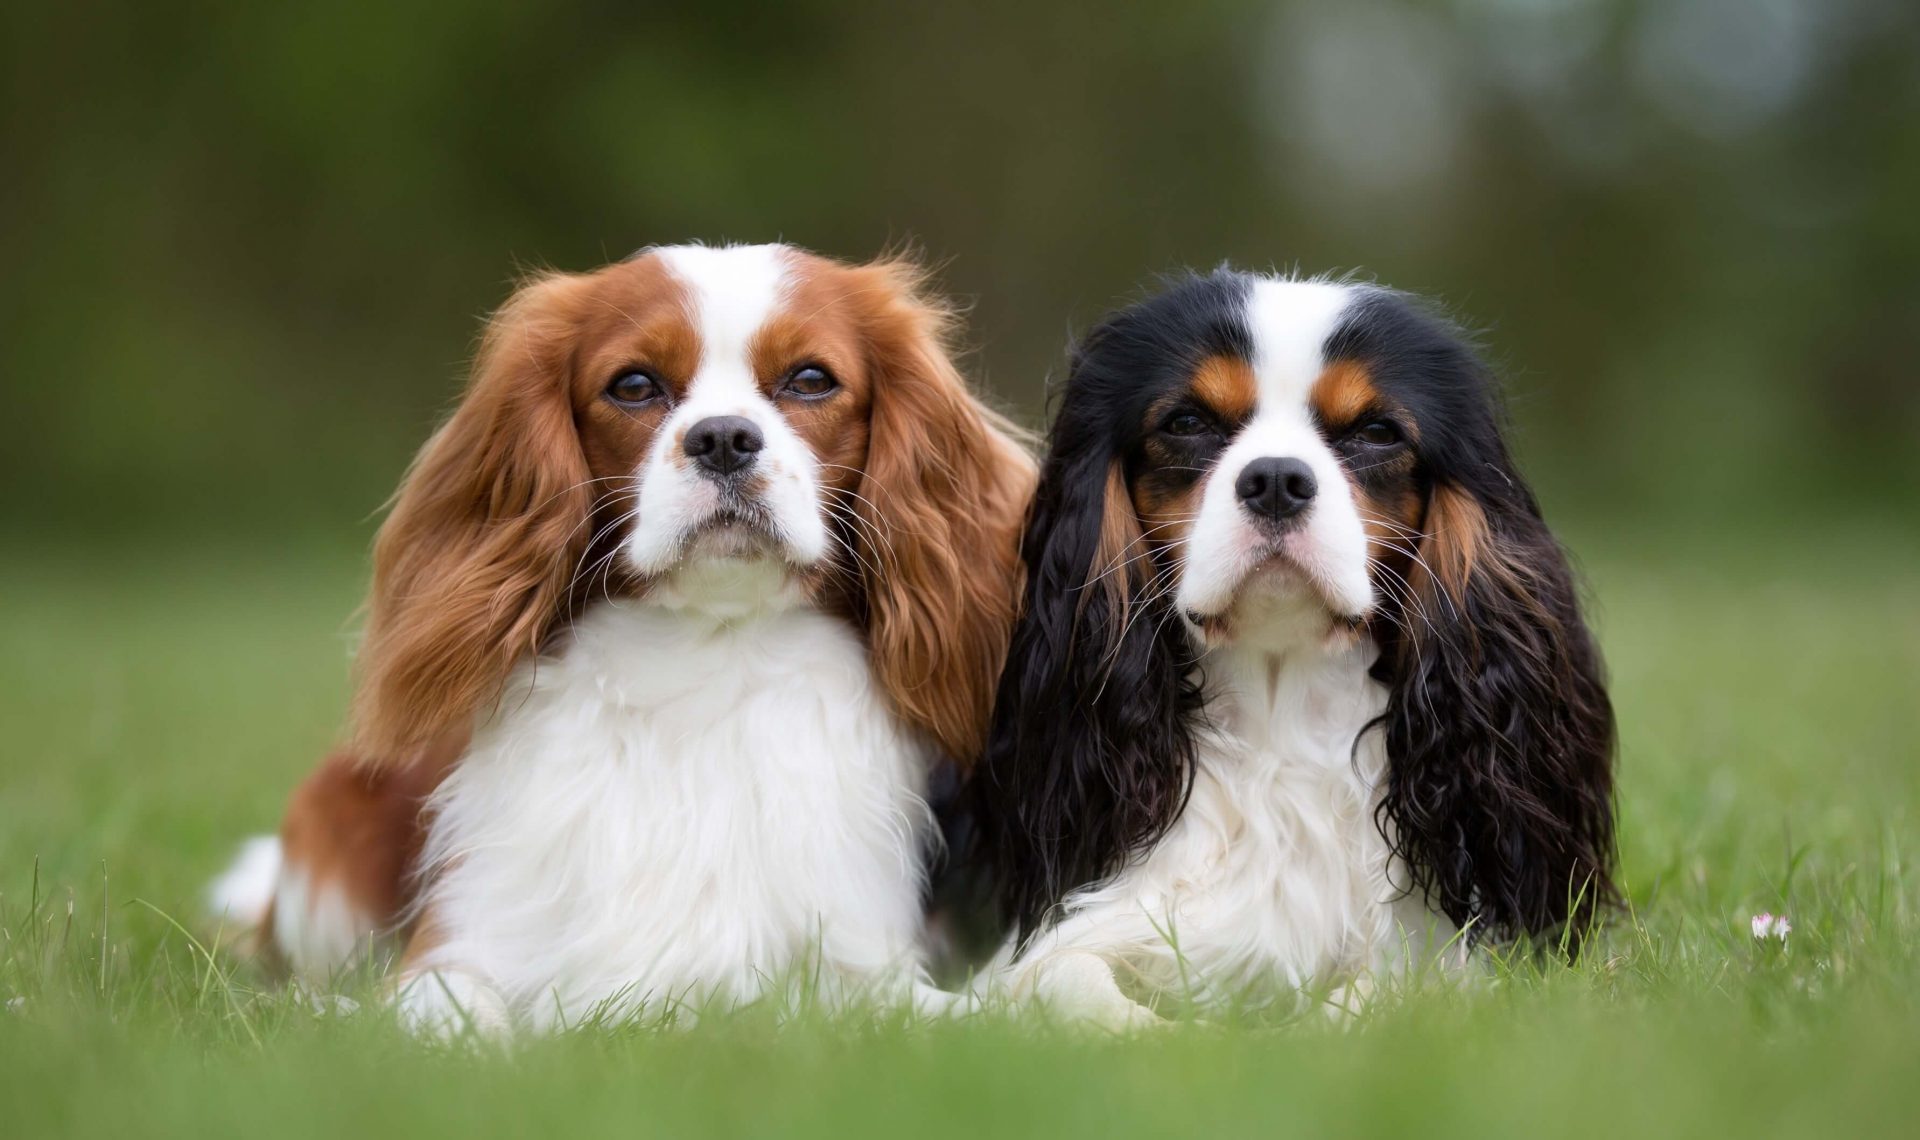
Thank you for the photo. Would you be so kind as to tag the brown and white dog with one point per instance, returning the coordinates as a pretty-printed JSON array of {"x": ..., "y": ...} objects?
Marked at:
[{"x": 715, "y": 560}]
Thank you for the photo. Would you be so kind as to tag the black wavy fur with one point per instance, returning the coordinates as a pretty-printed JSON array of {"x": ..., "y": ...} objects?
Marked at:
[
  {"x": 1498, "y": 727},
  {"x": 1499, "y": 731}
]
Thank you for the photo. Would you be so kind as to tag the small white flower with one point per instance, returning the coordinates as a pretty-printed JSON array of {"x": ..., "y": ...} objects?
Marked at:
[
  {"x": 16, "y": 1004},
  {"x": 1768, "y": 925}
]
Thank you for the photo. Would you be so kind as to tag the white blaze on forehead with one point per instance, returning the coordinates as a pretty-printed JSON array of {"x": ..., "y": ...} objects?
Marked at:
[
  {"x": 1291, "y": 322},
  {"x": 732, "y": 291}
]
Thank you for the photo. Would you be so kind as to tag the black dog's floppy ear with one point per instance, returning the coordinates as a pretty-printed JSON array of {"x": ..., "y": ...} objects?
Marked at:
[
  {"x": 1498, "y": 728},
  {"x": 1091, "y": 748}
]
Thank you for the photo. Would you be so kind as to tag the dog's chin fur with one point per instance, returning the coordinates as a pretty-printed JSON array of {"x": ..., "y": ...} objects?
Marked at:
[
  {"x": 728, "y": 586},
  {"x": 733, "y": 537},
  {"x": 733, "y": 565},
  {"x": 1278, "y": 604}
]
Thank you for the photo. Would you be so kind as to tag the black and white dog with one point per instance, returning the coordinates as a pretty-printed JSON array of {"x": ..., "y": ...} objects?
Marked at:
[{"x": 1301, "y": 689}]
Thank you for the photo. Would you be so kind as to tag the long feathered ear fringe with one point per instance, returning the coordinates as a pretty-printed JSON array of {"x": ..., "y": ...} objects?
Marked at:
[
  {"x": 1500, "y": 786},
  {"x": 1091, "y": 752},
  {"x": 941, "y": 501},
  {"x": 472, "y": 566}
]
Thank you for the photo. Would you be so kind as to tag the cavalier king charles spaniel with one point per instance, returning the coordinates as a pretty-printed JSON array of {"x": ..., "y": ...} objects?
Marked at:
[
  {"x": 1301, "y": 689},
  {"x": 669, "y": 623}
]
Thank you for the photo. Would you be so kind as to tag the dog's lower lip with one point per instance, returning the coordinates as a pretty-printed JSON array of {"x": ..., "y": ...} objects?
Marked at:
[
  {"x": 736, "y": 516},
  {"x": 732, "y": 530},
  {"x": 1277, "y": 563}
]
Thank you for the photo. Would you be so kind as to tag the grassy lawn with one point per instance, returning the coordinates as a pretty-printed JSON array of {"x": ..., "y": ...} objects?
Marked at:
[{"x": 157, "y": 708}]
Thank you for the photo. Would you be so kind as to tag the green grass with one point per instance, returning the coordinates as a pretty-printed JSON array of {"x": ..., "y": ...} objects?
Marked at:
[{"x": 157, "y": 708}]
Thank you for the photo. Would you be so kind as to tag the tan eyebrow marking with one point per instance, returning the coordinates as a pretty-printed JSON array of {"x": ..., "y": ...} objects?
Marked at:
[
  {"x": 1344, "y": 393},
  {"x": 638, "y": 316},
  {"x": 1226, "y": 384}
]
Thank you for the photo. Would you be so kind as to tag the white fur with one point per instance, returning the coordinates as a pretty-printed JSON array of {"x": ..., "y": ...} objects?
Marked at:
[
  {"x": 319, "y": 932},
  {"x": 678, "y": 807},
  {"x": 1290, "y": 321},
  {"x": 244, "y": 891},
  {"x": 316, "y": 932},
  {"x": 1275, "y": 878},
  {"x": 448, "y": 1005}
]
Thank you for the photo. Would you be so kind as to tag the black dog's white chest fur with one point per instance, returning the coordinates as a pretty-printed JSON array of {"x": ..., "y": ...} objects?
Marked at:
[{"x": 1276, "y": 875}]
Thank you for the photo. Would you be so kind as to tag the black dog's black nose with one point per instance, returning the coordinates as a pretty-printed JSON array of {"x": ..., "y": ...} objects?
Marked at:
[
  {"x": 723, "y": 444},
  {"x": 1276, "y": 488}
]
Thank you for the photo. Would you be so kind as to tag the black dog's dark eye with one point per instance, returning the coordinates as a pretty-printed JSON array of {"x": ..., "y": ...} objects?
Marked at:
[
  {"x": 1185, "y": 423},
  {"x": 810, "y": 380},
  {"x": 634, "y": 387},
  {"x": 1379, "y": 433}
]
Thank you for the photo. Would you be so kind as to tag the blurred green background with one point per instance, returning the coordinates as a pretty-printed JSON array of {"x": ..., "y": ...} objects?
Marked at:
[{"x": 246, "y": 246}]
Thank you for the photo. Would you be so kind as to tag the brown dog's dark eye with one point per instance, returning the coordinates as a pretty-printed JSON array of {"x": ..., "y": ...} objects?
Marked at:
[
  {"x": 634, "y": 388},
  {"x": 1379, "y": 433},
  {"x": 810, "y": 380},
  {"x": 1185, "y": 423}
]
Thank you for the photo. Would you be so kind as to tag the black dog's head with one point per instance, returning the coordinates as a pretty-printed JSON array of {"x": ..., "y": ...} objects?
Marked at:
[{"x": 1241, "y": 454}]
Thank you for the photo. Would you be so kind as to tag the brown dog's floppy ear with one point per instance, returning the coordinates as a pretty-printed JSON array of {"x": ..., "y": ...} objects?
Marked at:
[
  {"x": 942, "y": 499},
  {"x": 472, "y": 566}
]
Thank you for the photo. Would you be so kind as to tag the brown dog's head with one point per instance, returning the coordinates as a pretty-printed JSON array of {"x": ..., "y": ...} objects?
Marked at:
[{"x": 692, "y": 403}]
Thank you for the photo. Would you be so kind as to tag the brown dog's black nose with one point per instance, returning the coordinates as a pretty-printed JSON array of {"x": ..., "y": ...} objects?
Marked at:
[
  {"x": 1276, "y": 488},
  {"x": 723, "y": 445}
]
